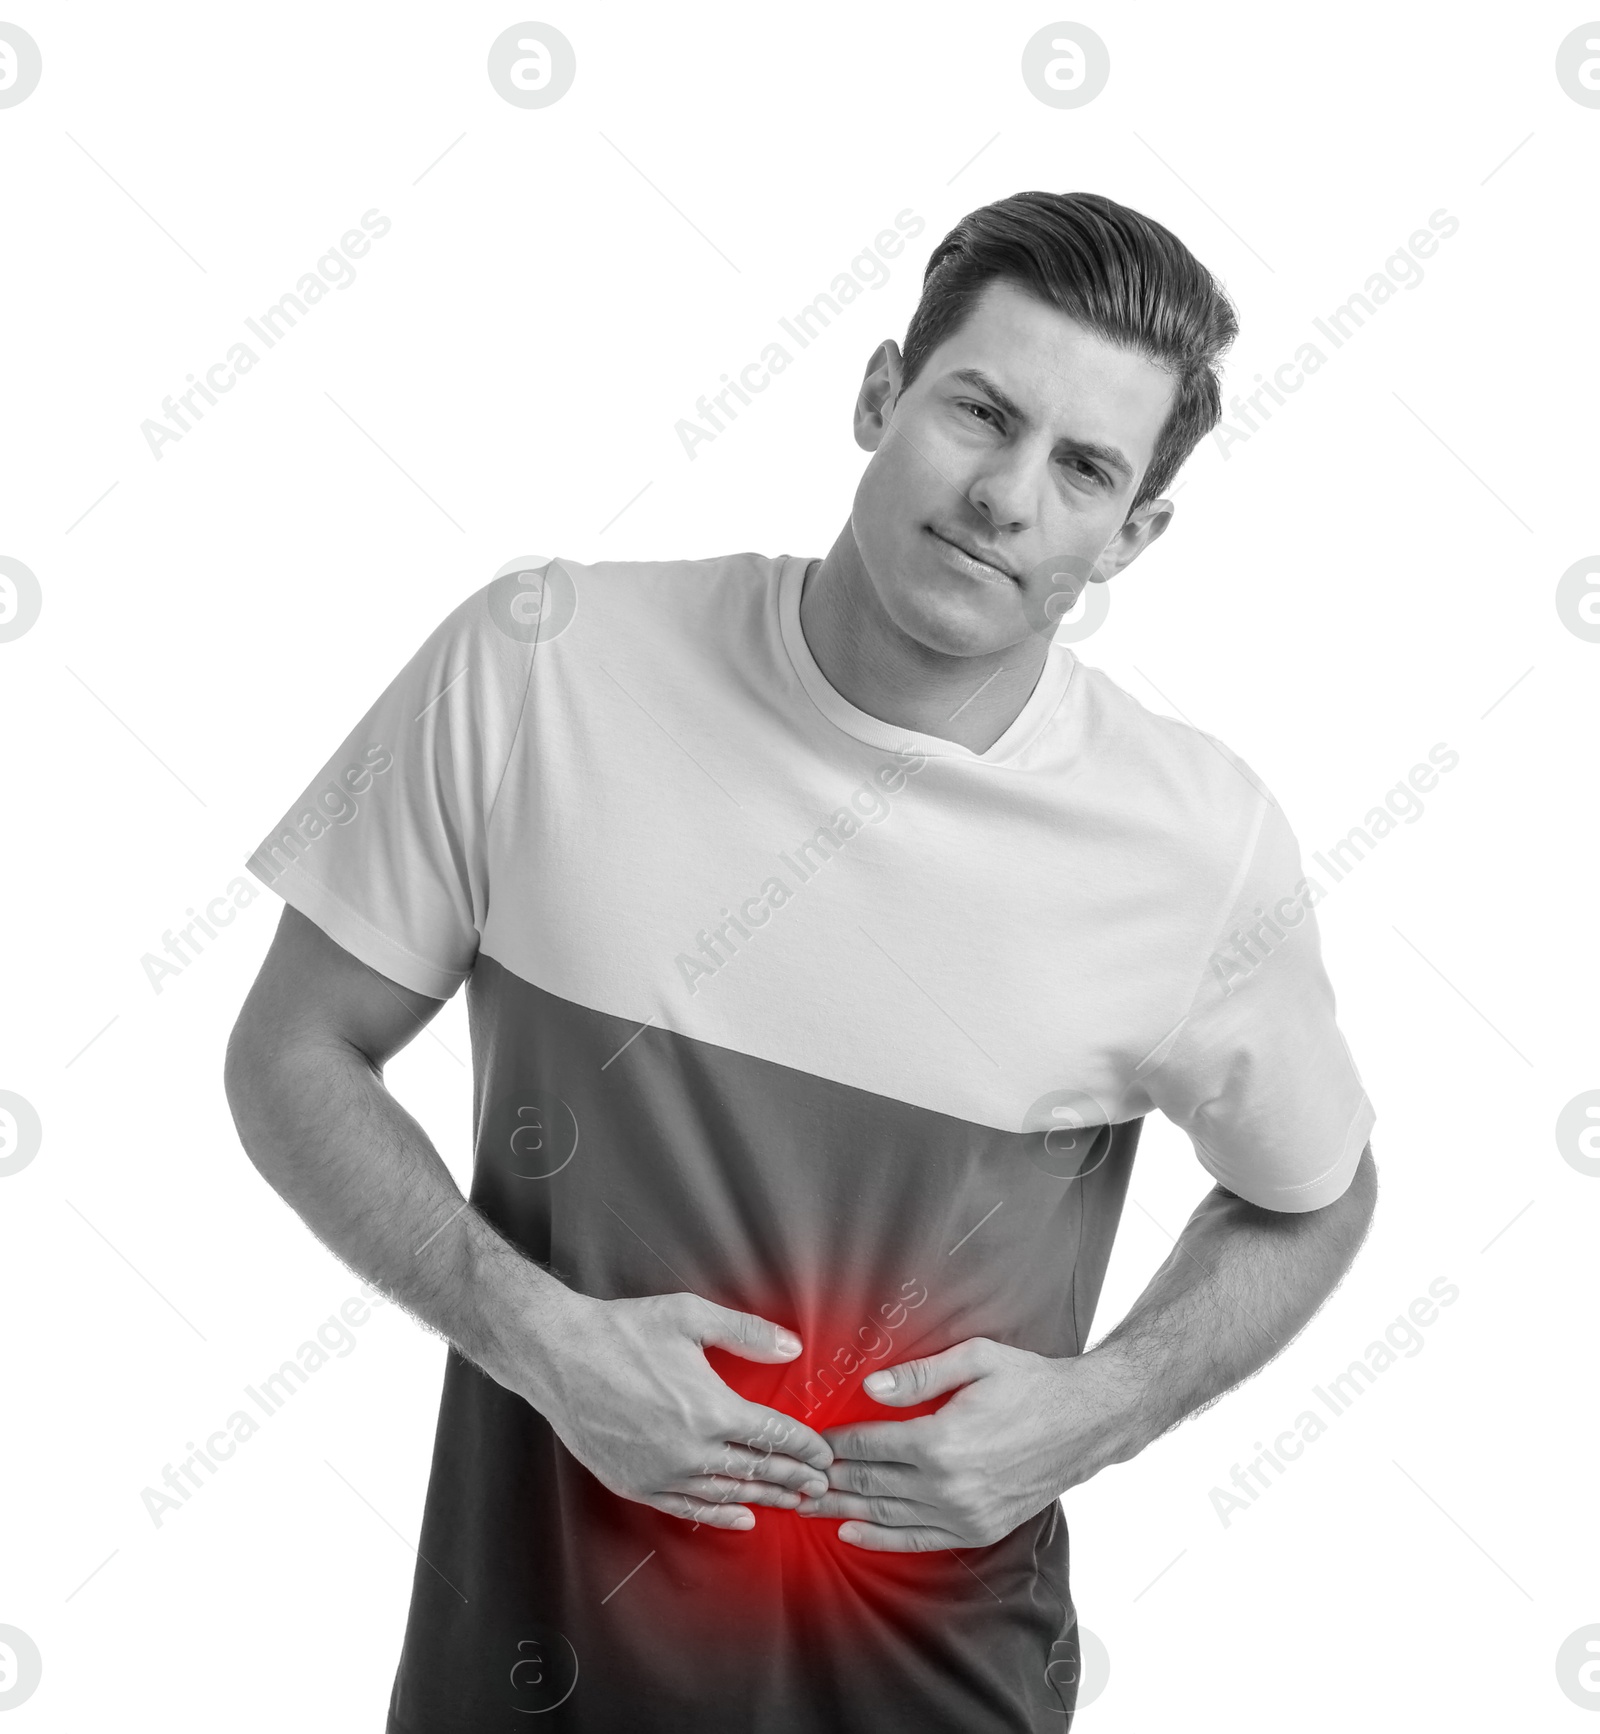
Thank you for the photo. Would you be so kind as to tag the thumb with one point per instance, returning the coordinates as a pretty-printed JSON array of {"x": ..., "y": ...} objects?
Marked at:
[
  {"x": 747, "y": 1335},
  {"x": 933, "y": 1375}
]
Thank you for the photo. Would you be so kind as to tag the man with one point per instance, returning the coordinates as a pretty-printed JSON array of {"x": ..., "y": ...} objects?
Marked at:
[{"x": 828, "y": 929}]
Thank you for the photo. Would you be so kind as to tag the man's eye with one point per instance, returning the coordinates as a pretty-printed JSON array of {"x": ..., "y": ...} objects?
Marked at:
[
  {"x": 981, "y": 408},
  {"x": 1087, "y": 470}
]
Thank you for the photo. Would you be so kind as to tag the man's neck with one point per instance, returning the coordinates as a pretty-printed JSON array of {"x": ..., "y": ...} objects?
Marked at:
[{"x": 868, "y": 660}]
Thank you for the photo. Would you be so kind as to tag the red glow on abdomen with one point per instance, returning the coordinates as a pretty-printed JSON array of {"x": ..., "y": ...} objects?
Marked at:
[{"x": 793, "y": 1571}]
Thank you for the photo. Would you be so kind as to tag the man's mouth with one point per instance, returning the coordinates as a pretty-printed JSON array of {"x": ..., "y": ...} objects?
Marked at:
[{"x": 982, "y": 565}]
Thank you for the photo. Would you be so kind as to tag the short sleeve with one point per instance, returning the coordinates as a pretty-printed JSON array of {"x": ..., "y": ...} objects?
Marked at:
[
  {"x": 1257, "y": 1072},
  {"x": 386, "y": 850}
]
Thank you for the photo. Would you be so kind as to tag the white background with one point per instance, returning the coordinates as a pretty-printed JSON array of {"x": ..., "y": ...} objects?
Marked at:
[{"x": 1365, "y": 576}]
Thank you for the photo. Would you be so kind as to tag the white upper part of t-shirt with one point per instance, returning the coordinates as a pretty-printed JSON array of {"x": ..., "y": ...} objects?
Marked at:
[{"x": 644, "y": 797}]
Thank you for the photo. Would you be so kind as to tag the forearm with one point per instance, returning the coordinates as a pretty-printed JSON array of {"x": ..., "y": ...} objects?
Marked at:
[
  {"x": 320, "y": 1125},
  {"x": 1240, "y": 1284}
]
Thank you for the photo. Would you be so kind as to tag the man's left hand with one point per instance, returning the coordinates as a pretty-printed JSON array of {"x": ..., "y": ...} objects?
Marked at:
[{"x": 1020, "y": 1430}]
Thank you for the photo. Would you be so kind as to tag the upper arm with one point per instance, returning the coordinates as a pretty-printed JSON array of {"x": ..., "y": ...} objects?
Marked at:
[{"x": 311, "y": 989}]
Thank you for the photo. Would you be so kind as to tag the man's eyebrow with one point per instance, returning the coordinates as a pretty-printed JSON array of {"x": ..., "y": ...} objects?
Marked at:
[{"x": 980, "y": 381}]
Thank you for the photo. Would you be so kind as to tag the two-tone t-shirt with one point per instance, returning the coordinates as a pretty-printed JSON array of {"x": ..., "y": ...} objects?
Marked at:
[{"x": 823, "y": 1019}]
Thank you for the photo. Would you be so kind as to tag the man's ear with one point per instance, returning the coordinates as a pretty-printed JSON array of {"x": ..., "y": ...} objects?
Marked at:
[
  {"x": 1140, "y": 530},
  {"x": 880, "y": 388}
]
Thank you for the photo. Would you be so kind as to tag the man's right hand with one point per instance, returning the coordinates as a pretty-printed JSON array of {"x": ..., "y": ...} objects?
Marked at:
[
  {"x": 625, "y": 1383},
  {"x": 629, "y": 1391}
]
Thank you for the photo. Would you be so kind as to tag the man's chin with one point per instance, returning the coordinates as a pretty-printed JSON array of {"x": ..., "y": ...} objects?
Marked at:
[{"x": 954, "y": 625}]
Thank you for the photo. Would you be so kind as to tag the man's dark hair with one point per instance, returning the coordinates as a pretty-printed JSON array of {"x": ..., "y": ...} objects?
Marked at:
[{"x": 1116, "y": 272}]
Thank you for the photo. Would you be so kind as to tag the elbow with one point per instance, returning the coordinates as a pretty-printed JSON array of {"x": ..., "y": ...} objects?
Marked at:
[
  {"x": 1364, "y": 1184},
  {"x": 239, "y": 1070},
  {"x": 246, "y": 1083},
  {"x": 1358, "y": 1203}
]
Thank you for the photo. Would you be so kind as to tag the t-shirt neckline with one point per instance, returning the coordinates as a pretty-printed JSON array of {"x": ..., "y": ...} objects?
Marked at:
[{"x": 1030, "y": 721}]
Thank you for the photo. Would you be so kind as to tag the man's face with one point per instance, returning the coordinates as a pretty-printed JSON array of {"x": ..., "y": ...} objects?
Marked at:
[{"x": 1023, "y": 440}]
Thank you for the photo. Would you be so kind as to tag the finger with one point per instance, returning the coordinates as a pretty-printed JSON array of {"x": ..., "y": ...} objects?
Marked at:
[
  {"x": 933, "y": 1375},
  {"x": 881, "y": 1480},
  {"x": 747, "y": 1335},
  {"x": 874, "y": 1538},
  {"x": 725, "y": 1490},
  {"x": 746, "y": 1465},
  {"x": 769, "y": 1430},
  {"x": 713, "y": 1515},
  {"x": 880, "y": 1441},
  {"x": 888, "y": 1513}
]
